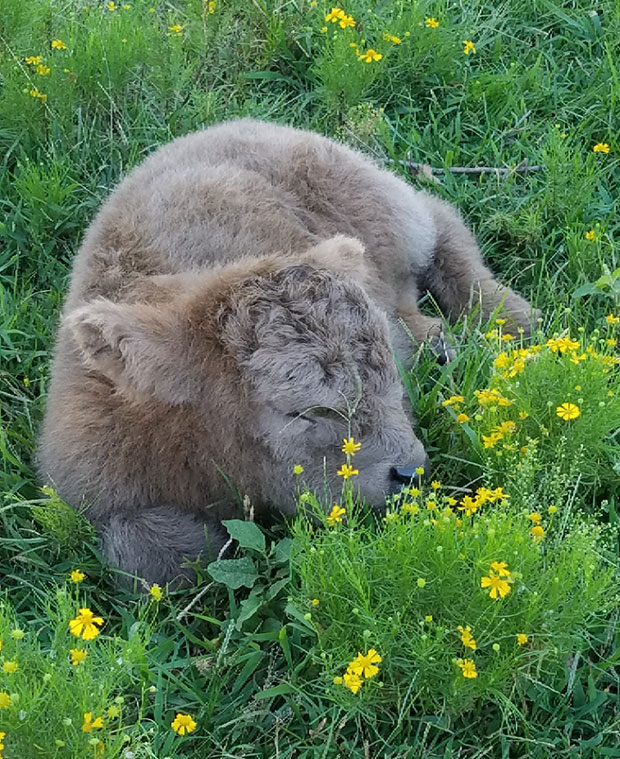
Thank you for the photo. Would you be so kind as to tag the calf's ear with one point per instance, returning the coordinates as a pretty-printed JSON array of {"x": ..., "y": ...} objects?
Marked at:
[{"x": 140, "y": 348}]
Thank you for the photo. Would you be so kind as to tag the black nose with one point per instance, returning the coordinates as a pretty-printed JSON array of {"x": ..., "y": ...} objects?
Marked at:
[{"x": 405, "y": 474}]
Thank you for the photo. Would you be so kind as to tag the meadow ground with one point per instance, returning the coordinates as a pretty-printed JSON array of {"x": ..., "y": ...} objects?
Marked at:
[{"x": 491, "y": 599}]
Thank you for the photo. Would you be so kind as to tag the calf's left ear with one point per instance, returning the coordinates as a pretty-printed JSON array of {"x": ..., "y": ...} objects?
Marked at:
[{"x": 141, "y": 348}]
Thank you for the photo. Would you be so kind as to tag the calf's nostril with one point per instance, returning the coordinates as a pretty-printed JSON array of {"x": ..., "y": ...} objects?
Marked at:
[{"x": 405, "y": 474}]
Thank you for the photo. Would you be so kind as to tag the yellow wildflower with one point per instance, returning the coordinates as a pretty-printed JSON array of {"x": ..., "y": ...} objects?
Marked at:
[
  {"x": 410, "y": 508},
  {"x": 498, "y": 495},
  {"x": 462, "y": 418},
  {"x": 315, "y": 602},
  {"x": 428, "y": 618},
  {"x": 337, "y": 680},
  {"x": 156, "y": 592},
  {"x": 414, "y": 492},
  {"x": 568, "y": 411},
  {"x": 552, "y": 510},
  {"x": 591, "y": 235},
  {"x": 468, "y": 47},
  {"x": 370, "y": 55},
  {"x": 501, "y": 568},
  {"x": 490, "y": 441},
  {"x": 77, "y": 576},
  {"x": 352, "y": 681},
  {"x": 112, "y": 6},
  {"x": 5, "y": 700},
  {"x": 611, "y": 342},
  {"x": 350, "y": 447},
  {"x": 335, "y": 515},
  {"x": 522, "y": 639},
  {"x": 90, "y": 723},
  {"x": 183, "y": 724},
  {"x": 601, "y": 147},
  {"x": 34, "y": 92},
  {"x": 611, "y": 319},
  {"x": 338, "y": 16},
  {"x": 466, "y": 637},
  {"x": 176, "y": 29},
  {"x": 347, "y": 471},
  {"x": 431, "y": 23},
  {"x": 58, "y": 45},
  {"x": 487, "y": 397},
  {"x": 468, "y": 668},
  {"x": 507, "y": 337},
  {"x": 126, "y": 7},
  {"x": 77, "y": 656},
  {"x": 535, "y": 517},
  {"x": 436, "y": 485},
  {"x": 211, "y": 6},
  {"x": 33, "y": 60},
  {"x": 469, "y": 505},
  {"x": 365, "y": 665},
  {"x": 499, "y": 587},
  {"x": 10, "y": 667},
  {"x": 537, "y": 532},
  {"x": 391, "y": 38},
  {"x": 506, "y": 428},
  {"x": 453, "y": 399},
  {"x": 43, "y": 70},
  {"x": 419, "y": 470},
  {"x": 298, "y": 469},
  {"x": 323, "y": 29},
  {"x": 85, "y": 624}
]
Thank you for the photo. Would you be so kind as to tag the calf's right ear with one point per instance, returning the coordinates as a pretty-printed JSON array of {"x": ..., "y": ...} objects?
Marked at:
[{"x": 138, "y": 347}]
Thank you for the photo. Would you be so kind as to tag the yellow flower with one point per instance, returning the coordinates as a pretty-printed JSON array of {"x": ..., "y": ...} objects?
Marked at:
[
  {"x": 298, "y": 469},
  {"x": 391, "y": 38},
  {"x": 85, "y": 624},
  {"x": 10, "y": 667},
  {"x": 428, "y": 618},
  {"x": 126, "y": 7},
  {"x": 176, "y": 28},
  {"x": 112, "y": 6},
  {"x": 537, "y": 532},
  {"x": 436, "y": 485},
  {"x": 469, "y": 505},
  {"x": 370, "y": 55},
  {"x": 414, "y": 492},
  {"x": 410, "y": 508},
  {"x": 40, "y": 95},
  {"x": 365, "y": 664},
  {"x": 43, "y": 70},
  {"x": 212, "y": 6},
  {"x": 501, "y": 568},
  {"x": 552, "y": 510},
  {"x": 498, "y": 495},
  {"x": 90, "y": 724},
  {"x": 536, "y": 517},
  {"x": 601, "y": 147},
  {"x": 182, "y": 724},
  {"x": 58, "y": 45},
  {"x": 350, "y": 447},
  {"x": 77, "y": 576},
  {"x": 611, "y": 319},
  {"x": 468, "y": 47},
  {"x": 33, "y": 60},
  {"x": 347, "y": 471},
  {"x": 452, "y": 400},
  {"x": 466, "y": 637},
  {"x": 5, "y": 700},
  {"x": 335, "y": 515},
  {"x": 77, "y": 656},
  {"x": 568, "y": 411},
  {"x": 315, "y": 601},
  {"x": 337, "y": 680},
  {"x": 487, "y": 397},
  {"x": 468, "y": 668},
  {"x": 431, "y": 23},
  {"x": 562, "y": 344},
  {"x": 419, "y": 471},
  {"x": 352, "y": 681},
  {"x": 611, "y": 342},
  {"x": 499, "y": 587},
  {"x": 156, "y": 592},
  {"x": 523, "y": 414},
  {"x": 591, "y": 235},
  {"x": 462, "y": 418},
  {"x": 522, "y": 639},
  {"x": 323, "y": 29},
  {"x": 507, "y": 337},
  {"x": 490, "y": 441}
]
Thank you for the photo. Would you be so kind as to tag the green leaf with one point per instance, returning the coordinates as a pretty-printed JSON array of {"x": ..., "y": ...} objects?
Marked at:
[
  {"x": 247, "y": 534},
  {"x": 283, "y": 550},
  {"x": 234, "y": 573}
]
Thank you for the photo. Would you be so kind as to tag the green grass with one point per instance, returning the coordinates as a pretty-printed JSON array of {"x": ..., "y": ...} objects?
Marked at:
[{"x": 544, "y": 85}]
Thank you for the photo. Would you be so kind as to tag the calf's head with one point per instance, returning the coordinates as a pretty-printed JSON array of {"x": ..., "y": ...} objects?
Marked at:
[{"x": 278, "y": 360}]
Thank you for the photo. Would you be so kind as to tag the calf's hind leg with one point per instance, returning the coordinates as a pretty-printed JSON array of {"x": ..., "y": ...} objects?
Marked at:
[
  {"x": 457, "y": 278},
  {"x": 154, "y": 543}
]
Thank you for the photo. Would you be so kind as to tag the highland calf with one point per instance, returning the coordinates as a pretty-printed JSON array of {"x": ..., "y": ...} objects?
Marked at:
[{"x": 234, "y": 311}]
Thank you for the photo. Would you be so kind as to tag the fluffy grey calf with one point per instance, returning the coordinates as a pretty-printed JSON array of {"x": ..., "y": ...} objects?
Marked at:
[{"x": 233, "y": 304}]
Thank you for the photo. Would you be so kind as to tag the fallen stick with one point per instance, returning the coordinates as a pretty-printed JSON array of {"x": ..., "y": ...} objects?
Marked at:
[{"x": 428, "y": 171}]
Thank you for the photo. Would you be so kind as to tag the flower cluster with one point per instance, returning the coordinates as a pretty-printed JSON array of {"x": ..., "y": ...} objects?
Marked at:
[
  {"x": 498, "y": 580},
  {"x": 363, "y": 667}
]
